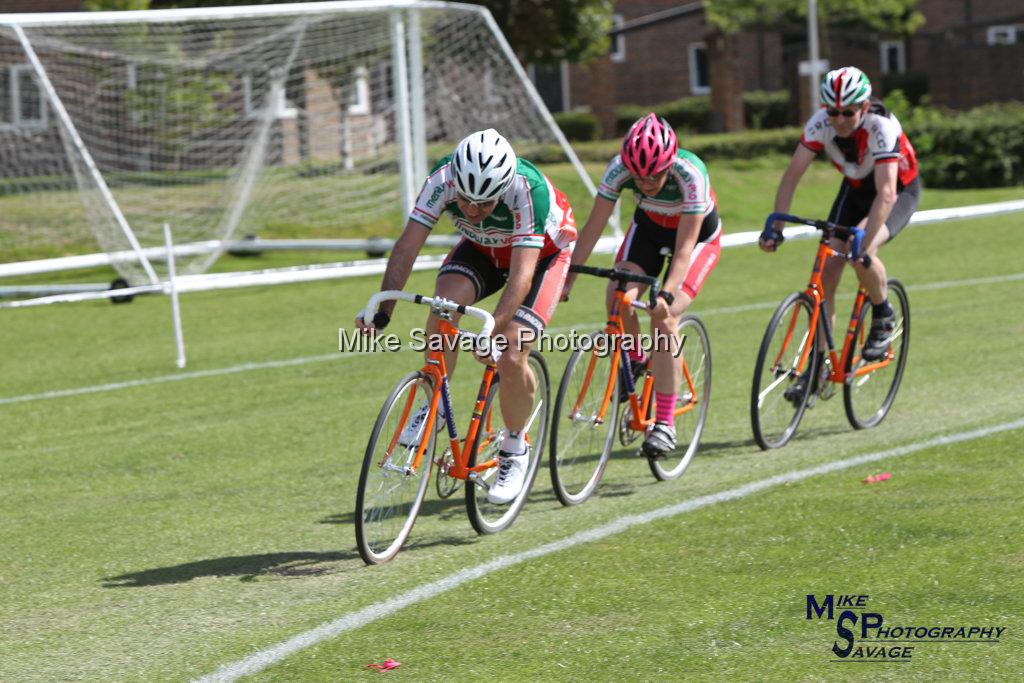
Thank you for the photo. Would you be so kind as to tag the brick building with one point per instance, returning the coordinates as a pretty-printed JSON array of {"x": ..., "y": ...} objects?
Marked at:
[{"x": 969, "y": 52}]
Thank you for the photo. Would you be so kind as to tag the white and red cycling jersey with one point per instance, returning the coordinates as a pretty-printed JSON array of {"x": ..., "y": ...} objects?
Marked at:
[{"x": 879, "y": 140}]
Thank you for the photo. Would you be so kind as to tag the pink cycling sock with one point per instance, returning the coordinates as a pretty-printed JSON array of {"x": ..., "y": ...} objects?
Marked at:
[{"x": 666, "y": 408}]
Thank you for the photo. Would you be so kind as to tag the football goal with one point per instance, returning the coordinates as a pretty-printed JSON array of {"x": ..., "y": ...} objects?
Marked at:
[{"x": 309, "y": 120}]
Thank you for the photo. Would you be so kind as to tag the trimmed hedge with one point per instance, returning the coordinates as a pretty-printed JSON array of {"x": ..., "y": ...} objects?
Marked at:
[
  {"x": 687, "y": 114},
  {"x": 745, "y": 145},
  {"x": 764, "y": 110},
  {"x": 579, "y": 125},
  {"x": 761, "y": 110},
  {"x": 980, "y": 148}
]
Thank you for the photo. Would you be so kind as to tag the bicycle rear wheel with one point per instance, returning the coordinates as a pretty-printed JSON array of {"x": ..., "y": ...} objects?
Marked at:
[
  {"x": 390, "y": 489},
  {"x": 581, "y": 439},
  {"x": 870, "y": 387},
  {"x": 487, "y": 517},
  {"x": 694, "y": 391},
  {"x": 773, "y": 415}
]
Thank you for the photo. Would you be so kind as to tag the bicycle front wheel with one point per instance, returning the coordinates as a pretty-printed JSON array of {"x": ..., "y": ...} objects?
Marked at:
[
  {"x": 487, "y": 517},
  {"x": 581, "y": 434},
  {"x": 391, "y": 484},
  {"x": 870, "y": 387},
  {"x": 776, "y": 400},
  {"x": 692, "y": 399}
]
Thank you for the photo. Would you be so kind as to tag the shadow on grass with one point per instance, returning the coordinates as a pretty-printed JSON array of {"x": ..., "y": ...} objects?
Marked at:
[
  {"x": 443, "y": 509},
  {"x": 252, "y": 567},
  {"x": 245, "y": 567}
]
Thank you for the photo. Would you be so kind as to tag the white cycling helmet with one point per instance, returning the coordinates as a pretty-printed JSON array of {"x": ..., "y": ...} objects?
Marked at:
[
  {"x": 484, "y": 166},
  {"x": 844, "y": 87}
]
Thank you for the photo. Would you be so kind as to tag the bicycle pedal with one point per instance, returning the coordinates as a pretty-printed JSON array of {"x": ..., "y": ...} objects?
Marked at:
[{"x": 643, "y": 452}]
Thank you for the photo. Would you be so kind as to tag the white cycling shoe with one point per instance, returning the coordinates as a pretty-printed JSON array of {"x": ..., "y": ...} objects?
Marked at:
[
  {"x": 413, "y": 431},
  {"x": 511, "y": 477}
]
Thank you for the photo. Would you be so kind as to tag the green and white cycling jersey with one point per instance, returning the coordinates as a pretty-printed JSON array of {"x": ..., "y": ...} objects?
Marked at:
[
  {"x": 687, "y": 190},
  {"x": 531, "y": 213}
]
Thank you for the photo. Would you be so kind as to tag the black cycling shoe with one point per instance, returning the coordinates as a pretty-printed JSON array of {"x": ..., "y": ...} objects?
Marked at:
[
  {"x": 795, "y": 392},
  {"x": 879, "y": 339},
  {"x": 660, "y": 441},
  {"x": 637, "y": 370}
]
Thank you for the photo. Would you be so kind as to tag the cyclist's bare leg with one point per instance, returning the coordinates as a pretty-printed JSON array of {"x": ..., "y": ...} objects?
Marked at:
[
  {"x": 517, "y": 386},
  {"x": 459, "y": 289},
  {"x": 664, "y": 361}
]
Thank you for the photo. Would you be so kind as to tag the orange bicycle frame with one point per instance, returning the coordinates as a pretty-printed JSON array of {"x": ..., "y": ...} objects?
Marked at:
[
  {"x": 639, "y": 407},
  {"x": 437, "y": 370},
  {"x": 815, "y": 291}
]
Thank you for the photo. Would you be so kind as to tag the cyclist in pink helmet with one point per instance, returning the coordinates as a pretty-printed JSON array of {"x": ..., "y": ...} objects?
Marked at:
[
  {"x": 676, "y": 220},
  {"x": 649, "y": 147}
]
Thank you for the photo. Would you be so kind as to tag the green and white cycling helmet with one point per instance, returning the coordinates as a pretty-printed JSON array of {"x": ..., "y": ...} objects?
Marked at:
[
  {"x": 484, "y": 166},
  {"x": 845, "y": 86}
]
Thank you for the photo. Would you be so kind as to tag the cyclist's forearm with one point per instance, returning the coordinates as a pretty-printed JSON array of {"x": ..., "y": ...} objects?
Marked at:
[
  {"x": 403, "y": 256},
  {"x": 881, "y": 207},
  {"x": 886, "y": 178},
  {"x": 787, "y": 188},
  {"x": 802, "y": 158},
  {"x": 686, "y": 239},
  {"x": 592, "y": 229}
]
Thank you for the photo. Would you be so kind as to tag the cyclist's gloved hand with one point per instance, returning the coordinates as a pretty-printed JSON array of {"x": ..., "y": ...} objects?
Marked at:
[
  {"x": 486, "y": 350},
  {"x": 379, "y": 322},
  {"x": 771, "y": 239},
  {"x": 856, "y": 240},
  {"x": 567, "y": 287}
]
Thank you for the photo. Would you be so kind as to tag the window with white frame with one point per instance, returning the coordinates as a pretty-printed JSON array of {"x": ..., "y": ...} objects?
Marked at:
[
  {"x": 893, "y": 56},
  {"x": 1001, "y": 35},
  {"x": 21, "y": 100},
  {"x": 360, "y": 102},
  {"x": 700, "y": 81},
  {"x": 617, "y": 49},
  {"x": 254, "y": 94}
]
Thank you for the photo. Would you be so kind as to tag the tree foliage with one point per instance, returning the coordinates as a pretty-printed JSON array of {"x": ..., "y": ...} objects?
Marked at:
[
  {"x": 118, "y": 5},
  {"x": 888, "y": 16},
  {"x": 548, "y": 31}
]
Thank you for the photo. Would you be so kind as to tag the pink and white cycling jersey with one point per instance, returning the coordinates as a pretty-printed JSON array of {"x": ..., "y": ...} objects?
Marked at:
[{"x": 879, "y": 140}]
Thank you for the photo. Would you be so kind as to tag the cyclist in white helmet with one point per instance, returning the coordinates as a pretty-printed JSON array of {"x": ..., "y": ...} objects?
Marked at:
[
  {"x": 517, "y": 235},
  {"x": 879, "y": 193}
]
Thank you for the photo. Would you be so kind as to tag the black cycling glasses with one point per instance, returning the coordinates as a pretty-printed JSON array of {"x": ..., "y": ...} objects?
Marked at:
[{"x": 847, "y": 113}]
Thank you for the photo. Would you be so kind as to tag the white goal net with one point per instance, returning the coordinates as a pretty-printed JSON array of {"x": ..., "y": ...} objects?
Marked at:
[{"x": 310, "y": 120}]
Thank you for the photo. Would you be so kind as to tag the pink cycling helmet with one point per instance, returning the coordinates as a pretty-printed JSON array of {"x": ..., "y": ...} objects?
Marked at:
[{"x": 649, "y": 147}]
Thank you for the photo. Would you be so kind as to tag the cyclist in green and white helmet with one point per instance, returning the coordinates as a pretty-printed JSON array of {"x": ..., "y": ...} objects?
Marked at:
[
  {"x": 845, "y": 87},
  {"x": 879, "y": 193}
]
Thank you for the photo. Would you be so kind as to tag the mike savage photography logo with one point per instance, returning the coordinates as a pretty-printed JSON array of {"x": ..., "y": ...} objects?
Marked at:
[
  {"x": 864, "y": 635},
  {"x": 353, "y": 341}
]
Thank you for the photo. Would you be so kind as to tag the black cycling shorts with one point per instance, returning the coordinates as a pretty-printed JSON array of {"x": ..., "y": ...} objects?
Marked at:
[
  {"x": 853, "y": 204},
  {"x": 545, "y": 289},
  {"x": 645, "y": 240}
]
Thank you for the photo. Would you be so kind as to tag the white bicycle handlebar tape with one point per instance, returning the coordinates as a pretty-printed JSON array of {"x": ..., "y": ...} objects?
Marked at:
[{"x": 397, "y": 295}]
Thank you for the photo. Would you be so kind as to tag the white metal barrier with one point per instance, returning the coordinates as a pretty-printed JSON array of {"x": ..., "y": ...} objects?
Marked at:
[{"x": 330, "y": 271}]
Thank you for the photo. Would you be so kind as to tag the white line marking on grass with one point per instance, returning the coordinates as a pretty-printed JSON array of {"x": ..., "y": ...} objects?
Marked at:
[
  {"x": 994, "y": 280},
  {"x": 113, "y": 386},
  {"x": 246, "y": 367},
  {"x": 354, "y": 620}
]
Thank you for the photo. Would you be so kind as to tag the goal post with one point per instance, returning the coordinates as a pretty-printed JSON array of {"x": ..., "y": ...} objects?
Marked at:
[{"x": 305, "y": 120}]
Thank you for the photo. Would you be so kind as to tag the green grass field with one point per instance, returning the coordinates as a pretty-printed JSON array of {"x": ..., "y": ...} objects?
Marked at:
[
  {"x": 163, "y": 527},
  {"x": 287, "y": 206}
]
